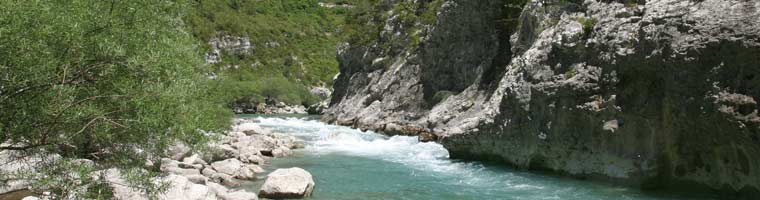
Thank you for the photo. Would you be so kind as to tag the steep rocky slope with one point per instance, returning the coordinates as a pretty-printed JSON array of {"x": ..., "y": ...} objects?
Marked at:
[
  {"x": 267, "y": 49},
  {"x": 657, "y": 93}
]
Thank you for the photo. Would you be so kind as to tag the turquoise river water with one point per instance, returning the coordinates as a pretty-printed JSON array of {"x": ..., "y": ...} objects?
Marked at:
[{"x": 350, "y": 164}]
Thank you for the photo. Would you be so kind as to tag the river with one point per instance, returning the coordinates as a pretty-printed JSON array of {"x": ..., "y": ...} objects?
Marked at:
[{"x": 350, "y": 164}]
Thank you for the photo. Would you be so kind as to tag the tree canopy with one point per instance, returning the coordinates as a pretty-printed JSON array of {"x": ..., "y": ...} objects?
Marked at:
[{"x": 111, "y": 81}]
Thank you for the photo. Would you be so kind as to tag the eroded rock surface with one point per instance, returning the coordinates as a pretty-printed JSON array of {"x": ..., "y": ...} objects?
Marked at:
[
  {"x": 656, "y": 93},
  {"x": 232, "y": 45}
]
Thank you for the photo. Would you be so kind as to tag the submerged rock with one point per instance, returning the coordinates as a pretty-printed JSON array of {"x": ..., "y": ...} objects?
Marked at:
[{"x": 287, "y": 183}]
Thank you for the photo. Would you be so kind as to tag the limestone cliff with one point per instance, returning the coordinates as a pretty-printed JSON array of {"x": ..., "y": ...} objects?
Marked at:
[{"x": 656, "y": 93}]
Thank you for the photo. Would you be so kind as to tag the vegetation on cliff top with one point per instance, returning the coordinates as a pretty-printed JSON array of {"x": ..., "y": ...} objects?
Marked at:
[
  {"x": 365, "y": 23},
  {"x": 293, "y": 46}
]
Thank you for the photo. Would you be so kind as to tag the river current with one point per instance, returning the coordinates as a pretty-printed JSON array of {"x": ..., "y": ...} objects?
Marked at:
[{"x": 350, "y": 164}]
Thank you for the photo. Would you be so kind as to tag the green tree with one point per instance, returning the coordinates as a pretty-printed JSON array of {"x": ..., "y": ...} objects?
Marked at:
[{"x": 110, "y": 81}]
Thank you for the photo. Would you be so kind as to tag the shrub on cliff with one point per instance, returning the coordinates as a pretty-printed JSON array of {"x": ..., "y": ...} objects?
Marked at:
[
  {"x": 110, "y": 81},
  {"x": 292, "y": 41}
]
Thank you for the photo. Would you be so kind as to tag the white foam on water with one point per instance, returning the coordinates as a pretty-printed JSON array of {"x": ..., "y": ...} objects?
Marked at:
[
  {"x": 323, "y": 139},
  {"x": 427, "y": 157},
  {"x": 430, "y": 161}
]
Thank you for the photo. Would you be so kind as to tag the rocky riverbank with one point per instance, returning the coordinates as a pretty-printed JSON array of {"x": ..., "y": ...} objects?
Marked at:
[
  {"x": 279, "y": 108},
  {"x": 657, "y": 93},
  {"x": 216, "y": 173},
  {"x": 272, "y": 106},
  {"x": 265, "y": 108}
]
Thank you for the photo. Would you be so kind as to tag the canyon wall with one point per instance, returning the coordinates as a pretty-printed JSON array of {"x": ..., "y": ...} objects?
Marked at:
[{"x": 655, "y": 94}]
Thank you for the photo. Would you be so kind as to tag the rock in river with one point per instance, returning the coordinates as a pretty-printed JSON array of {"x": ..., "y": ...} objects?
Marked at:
[{"x": 287, "y": 183}]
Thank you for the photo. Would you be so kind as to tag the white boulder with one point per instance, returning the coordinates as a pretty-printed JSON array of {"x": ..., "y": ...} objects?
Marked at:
[
  {"x": 233, "y": 167},
  {"x": 182, "y": 188},
  {"x": 287, "y": 183}
]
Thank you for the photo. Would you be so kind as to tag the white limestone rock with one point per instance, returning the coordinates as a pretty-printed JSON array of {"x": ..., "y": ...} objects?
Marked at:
[{"x": 287, "y": 183}]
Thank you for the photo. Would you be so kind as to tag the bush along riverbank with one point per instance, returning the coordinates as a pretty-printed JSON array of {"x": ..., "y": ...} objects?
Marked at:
[
  {"x": 91, "y": 90},
  {"x": 215, "y": 172},
  {"x": 92, "y": 85}
]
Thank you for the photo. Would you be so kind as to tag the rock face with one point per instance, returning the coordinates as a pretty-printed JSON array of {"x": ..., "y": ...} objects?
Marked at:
[
  {"x": 287, "y": 183},
  {"x": 231, "y": 44},
  {"x": 657, "y": 93},
  {"x": 319, "y": 108},
  {"x": 322, "y": 92}
]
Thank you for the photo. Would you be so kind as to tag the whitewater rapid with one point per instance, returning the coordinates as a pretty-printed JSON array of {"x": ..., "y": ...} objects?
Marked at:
[
  {"x": 429, "y": 157},
  {"x": 348, "y": 163}
]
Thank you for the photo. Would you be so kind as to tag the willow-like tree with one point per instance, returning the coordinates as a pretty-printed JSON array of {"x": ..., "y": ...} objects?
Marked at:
[{"x": 116, "y": 82}]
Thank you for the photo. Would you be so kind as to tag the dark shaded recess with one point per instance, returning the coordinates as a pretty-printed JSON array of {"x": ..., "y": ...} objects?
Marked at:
[
  {"x": 350, "y": 67},
  {"x": 691, "y": 133},
  {"x": 372, "y": 98},
  {"x": 639, "y": 2},
  {"x": 267, "y": 153},
  {"x": 453, "y": 60},
  {"x": 507, "y": 24}
]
